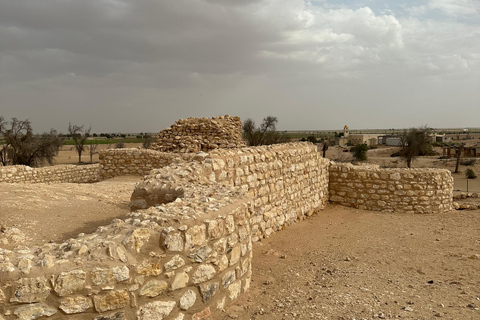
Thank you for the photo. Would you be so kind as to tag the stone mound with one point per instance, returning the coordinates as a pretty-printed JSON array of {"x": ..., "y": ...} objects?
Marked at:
[{"x": 201, "y": 134}]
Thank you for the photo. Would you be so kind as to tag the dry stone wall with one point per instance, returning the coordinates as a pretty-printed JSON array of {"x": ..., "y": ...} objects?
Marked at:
[
  {"x": 391, "y": 190},
  {"x": 182, "y": 260},
  {"x": 286, "y": 181},
  {"x": 53, "y": 174},
  {"x": 201, "y": 134},
  {"x": 132, "y": 161}
]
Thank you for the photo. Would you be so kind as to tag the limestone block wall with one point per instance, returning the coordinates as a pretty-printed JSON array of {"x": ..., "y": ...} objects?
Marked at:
[
  {"x": 133, "y": 161},
  {"x": 54, "y": 174},
  {"x": 185, "y": 259},
  {"x": 201, "y": 134},
  {"x": 391, "y": 190},
  {"x": 286, "y": 181}
]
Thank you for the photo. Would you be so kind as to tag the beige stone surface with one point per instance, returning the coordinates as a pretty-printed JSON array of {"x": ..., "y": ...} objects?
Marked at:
[
  {"x": 78, "y": 304},
  {"x": 70, "y": 282},
  {"x": 111, "y": 300},
  {"x": 201, "y": 134}
]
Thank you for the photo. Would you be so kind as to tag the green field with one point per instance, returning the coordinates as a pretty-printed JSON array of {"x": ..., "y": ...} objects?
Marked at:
[{"x": 70, "y": 142}]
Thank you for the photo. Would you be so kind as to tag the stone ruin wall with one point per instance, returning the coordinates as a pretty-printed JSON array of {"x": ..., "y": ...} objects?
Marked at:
[
  {"x": 53, "y": 174},
  {"x": 201, "y": 134},
  {"x": 391, "y": 190},
  {"x": 184, "y": 259},
  {"x": 287, "y": 182},
  {"x": 133, "y": 161},
  {"x": 188, "y": 253}
]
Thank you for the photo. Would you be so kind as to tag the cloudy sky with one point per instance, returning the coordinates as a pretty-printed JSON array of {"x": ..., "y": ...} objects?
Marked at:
[{"x": 139, "y": 65}]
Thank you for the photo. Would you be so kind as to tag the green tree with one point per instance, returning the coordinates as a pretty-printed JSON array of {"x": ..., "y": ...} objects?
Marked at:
[
  {"x": 265, "y": 134},
  {"x": 20, "y": 146},
  {"x": 415, "y": 142},
  {"x": 360, "y": 152},
  {"x": 470, "y": 174}
]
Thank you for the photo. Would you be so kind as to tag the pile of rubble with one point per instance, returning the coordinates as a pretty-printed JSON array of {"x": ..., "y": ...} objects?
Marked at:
[
  {"x": 466, "y": 205},
  {"x": 201, "y": 134}
]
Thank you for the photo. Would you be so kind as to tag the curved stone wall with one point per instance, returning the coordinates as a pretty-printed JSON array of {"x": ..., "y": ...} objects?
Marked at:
[
  {"x": 184, "y": 259},
  {"x": 391, "y": 190}
]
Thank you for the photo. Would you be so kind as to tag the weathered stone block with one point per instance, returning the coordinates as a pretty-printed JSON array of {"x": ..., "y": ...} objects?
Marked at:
[
  {"x": 195, "y": 236},
  {"x": 156, "y": 310},
  {"x": 78, "y": 304},
  {"x": 111, "y": 301},
  {"x": 101, "y": 276},
  {"x": 203, "y": 273},
  {"x": 70, "y": 282},
  {"x": 34, "y": 311},
  {"x": 187, "y": 300},
  {"x": 30, "y": 290},
  {"x": 136, "y": 239},
  {"x": 149, "y": 268},
  {"x": 153, "y": 288},
  {"x": 175, "y": 263},
  {"x": 180, "y": 281},
  {"x": 208, "y": 290}
]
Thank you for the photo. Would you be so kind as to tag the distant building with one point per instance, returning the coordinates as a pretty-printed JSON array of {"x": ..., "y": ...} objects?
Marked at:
[
  {"x": 467, "y": 152},
  {"x": 389, "y": 140},
  {"x": 367, "y": 138},
  {"x": 442, "y": 138},
  {"x": 343, "y": 141}
]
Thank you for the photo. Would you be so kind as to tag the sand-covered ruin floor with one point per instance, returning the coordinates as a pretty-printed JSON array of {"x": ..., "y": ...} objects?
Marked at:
[
  {"x": 59, "y": 211},
  {"x": 350, "y": 264}
]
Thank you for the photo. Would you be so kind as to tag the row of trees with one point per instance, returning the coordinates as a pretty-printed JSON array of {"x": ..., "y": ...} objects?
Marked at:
[{"x": 20, "y": 146}]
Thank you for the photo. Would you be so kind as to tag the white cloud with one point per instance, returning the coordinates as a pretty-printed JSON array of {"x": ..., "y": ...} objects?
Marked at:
[{"x": 456, "y": 7}]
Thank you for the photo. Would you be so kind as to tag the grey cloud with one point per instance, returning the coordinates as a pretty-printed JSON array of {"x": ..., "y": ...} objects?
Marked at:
[{"x": 173, "y": 59}]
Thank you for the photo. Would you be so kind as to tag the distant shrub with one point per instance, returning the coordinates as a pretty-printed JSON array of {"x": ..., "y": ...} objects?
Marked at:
[
  {"x": 120, "y": 145},
  {"x": 360, "y": 152},
  {"x": 470, "y": 174},
  {"x": 468, "y": 162}
]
